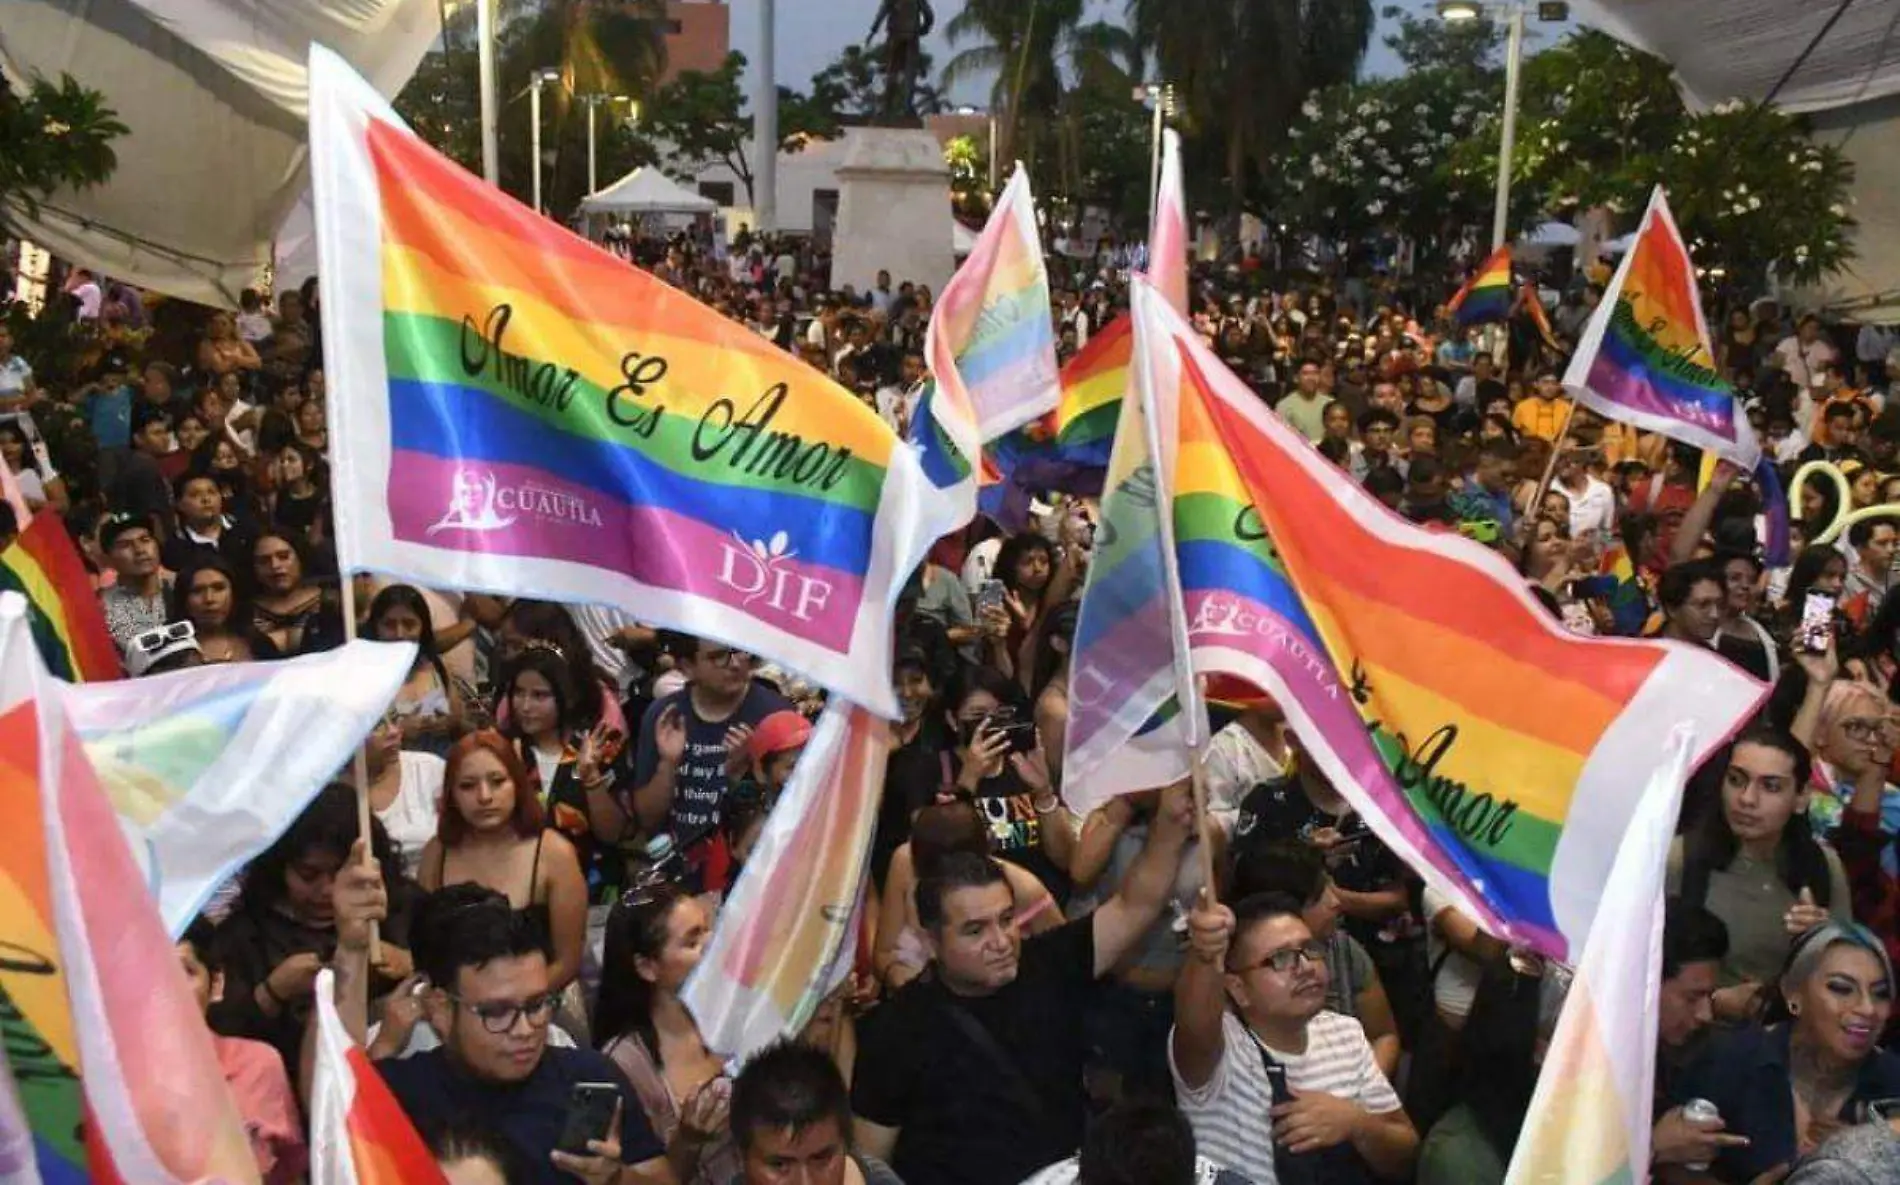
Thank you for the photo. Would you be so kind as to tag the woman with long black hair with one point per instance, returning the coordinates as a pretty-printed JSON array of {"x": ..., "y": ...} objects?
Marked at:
[
  {"x": 428, "y": 707},
  {"x": 283, "y": 930},
  {"x": 1752, "y": 860},
  {"x": 655, "y": 937}
]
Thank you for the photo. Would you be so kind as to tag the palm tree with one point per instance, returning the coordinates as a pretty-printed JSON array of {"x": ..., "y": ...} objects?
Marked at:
[
  {"x": 608, "y": 47},
  {"x": 1027, "y": 45},
  {"x": 1242, "y": 68}
]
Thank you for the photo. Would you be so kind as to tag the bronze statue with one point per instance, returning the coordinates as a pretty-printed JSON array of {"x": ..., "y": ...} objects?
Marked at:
[{"x": 907, "y": 23}]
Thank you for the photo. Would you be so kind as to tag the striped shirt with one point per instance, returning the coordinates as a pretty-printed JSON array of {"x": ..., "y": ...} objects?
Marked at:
[{"x": 1229, "y": 1114}]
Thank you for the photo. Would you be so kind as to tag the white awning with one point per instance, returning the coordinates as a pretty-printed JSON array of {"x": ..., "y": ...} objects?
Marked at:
[
  {"x": 647, "y": 191},
  {"x": 214, "y": 94}
]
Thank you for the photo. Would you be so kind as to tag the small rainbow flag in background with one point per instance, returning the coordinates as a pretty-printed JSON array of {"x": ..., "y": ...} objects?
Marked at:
[
  {"x": 358, "y": 1132},
  {"x": 1492, "y": 751},
  {"x": 110, "y": 1055},
  {"x": 527, "y": 414},
  {"x": 1486, "y": 296},
  {"x": 991, "y": 342},
  {"x": 1589, "y": 1118},
  {"x": 1645, "y": 357},
  {"x": 785, "y": 936},
  {"x": 68, "y": 627}
]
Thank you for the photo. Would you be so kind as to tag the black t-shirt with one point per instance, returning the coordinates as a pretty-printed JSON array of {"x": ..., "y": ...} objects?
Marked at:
[
  {"x": 1279, "y": 810},
  {"x": 527, "y": 1115},
  {"x": 912, "y": 779},
  {"x": 1009, "y": 807},
  {"x": 961, "y": 1120}
]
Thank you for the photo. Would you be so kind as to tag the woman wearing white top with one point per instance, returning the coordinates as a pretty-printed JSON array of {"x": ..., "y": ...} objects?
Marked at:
[
  {"x": 39, "y": 485},
  {"x": 405, "y": 790}
]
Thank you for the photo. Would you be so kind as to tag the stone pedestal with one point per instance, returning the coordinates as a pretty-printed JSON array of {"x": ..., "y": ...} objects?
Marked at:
[{"x": 893, "y": 210}]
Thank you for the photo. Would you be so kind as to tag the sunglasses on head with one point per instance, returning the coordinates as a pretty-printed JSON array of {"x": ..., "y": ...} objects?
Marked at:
[{"x": 153, "y": 640}]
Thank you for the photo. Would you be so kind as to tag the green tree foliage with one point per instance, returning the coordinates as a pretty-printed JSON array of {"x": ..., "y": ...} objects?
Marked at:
[
  {"x": 1242, "y": 71},
  {"x": 1599, "y": 123},
  {"x": 58, "y": 135}
]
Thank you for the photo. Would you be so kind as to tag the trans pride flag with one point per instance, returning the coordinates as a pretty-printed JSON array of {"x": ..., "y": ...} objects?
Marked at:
[
  {"x": 43, "y": 566},
  {"x": 358, "y": 1132},
  {"x": 786, "y": 936},
  {"x": 1589, "y": 1118},
  {"x": 1645, "y": 357},
  {"x": 206, "y": 767},
  {"x": 1492, "y": 751},
  {"x": 1486, "y": 296},
  {"x": 1135, "y": 715},
  {"x": 110, "y": 1056},
  {"x": 526, "y": 414}
]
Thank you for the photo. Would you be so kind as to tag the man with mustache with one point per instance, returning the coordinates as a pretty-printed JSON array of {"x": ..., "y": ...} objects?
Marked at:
[{"x": 1275, "y": 1077}]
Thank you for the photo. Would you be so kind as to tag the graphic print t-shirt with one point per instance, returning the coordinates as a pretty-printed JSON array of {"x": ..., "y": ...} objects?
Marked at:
[{"x": 699, "y": 788}]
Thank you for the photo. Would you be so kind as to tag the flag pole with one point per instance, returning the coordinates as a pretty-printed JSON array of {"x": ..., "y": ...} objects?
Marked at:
[
  {"x": 1202, "y": 822},
  {"x": 1550, "y": 467},
  {"x": 359, "y": 765}
]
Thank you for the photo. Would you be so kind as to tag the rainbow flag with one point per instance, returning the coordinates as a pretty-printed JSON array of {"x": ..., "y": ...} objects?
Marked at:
[
  {"x": 1589, "y": 1118},
  {"x": 1645, "y": 357},
  {"x": 358, "y": 1132},
  {"x": 1167, "y": 238},
  {"x": 43, "y": 566},
  {"x": 1135, "y": 714},
  {"x": 206, "y": 767},
  {"x": 109, "y": 1054},
  {"x": 1486, "y": 296},
  {"x": 785, "y": 936},
  {"x": 991, "y": 342},
  {"x": 1539, "y": 319},
  {"x": 528, "y": 414},
  {"x": 1425, "y": 681}
]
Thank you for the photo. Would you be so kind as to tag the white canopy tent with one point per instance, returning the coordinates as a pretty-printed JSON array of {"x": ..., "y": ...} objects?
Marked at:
[
  {"x": 1849, "y": 85},
  {"x": 647, "y": 191},
  {"x": 213, "y": 92}
]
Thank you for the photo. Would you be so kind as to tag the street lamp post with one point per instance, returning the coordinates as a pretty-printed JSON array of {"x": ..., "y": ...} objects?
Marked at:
[
  {"x": 1515, "y": 13},
  {"x": 485, "y": 73},
  {"x": 1160, "y": 96},
  {"x": 593, "y": 172},
  {"x": 536, "y": 81}
]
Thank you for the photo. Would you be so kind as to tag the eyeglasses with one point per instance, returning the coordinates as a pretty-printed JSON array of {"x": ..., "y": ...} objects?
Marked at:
[
  {"x": 499, "y": 1016},
  {"x": 153, "y": 640},
  {"x": 1288, "y": 957},
  {"x": 725, "y": 657},
  {"x": 1863, "y": 729}
]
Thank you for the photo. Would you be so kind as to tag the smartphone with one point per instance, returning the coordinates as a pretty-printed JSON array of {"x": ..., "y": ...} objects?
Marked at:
[
  {"x": 1817, "y": 623},
  {"x": 989, "y": 596},
  {"x": 590, "y": 1112},
  {"x": 1020, "y": 733}
]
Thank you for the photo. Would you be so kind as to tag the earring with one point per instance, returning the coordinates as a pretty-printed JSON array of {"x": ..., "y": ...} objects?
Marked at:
[{"x": 1794, "y": 1009}]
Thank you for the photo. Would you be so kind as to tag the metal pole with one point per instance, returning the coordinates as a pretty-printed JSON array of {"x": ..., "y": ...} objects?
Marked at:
[
  {"x": 1513, "y": 68},
  {"x": 992, "y": 152},
  {"x": 593, "y": 176},
  {"x": 1156, "y": 95},
  {"x": 485, "y": 57},
  {"x": 534, "y": 138},
  {"x": 765, "y": 132}
]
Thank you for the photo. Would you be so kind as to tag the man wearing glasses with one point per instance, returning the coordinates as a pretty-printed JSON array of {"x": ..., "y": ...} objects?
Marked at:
[
  {"x": 693, "y": 747},
  {"x": 484, "y": 988},
  {"x": 1275, "y": 1077}
]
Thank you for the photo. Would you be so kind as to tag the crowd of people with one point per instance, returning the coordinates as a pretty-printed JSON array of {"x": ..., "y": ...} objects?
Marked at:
[{"x": 562, "y": 795}]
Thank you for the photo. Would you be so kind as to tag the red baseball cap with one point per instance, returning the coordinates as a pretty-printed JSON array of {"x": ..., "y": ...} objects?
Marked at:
[{"x": 778, "y": 732}]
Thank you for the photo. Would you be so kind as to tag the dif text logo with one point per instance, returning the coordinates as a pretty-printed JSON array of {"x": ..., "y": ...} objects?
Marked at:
[{"x": 762, "y": 570}]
